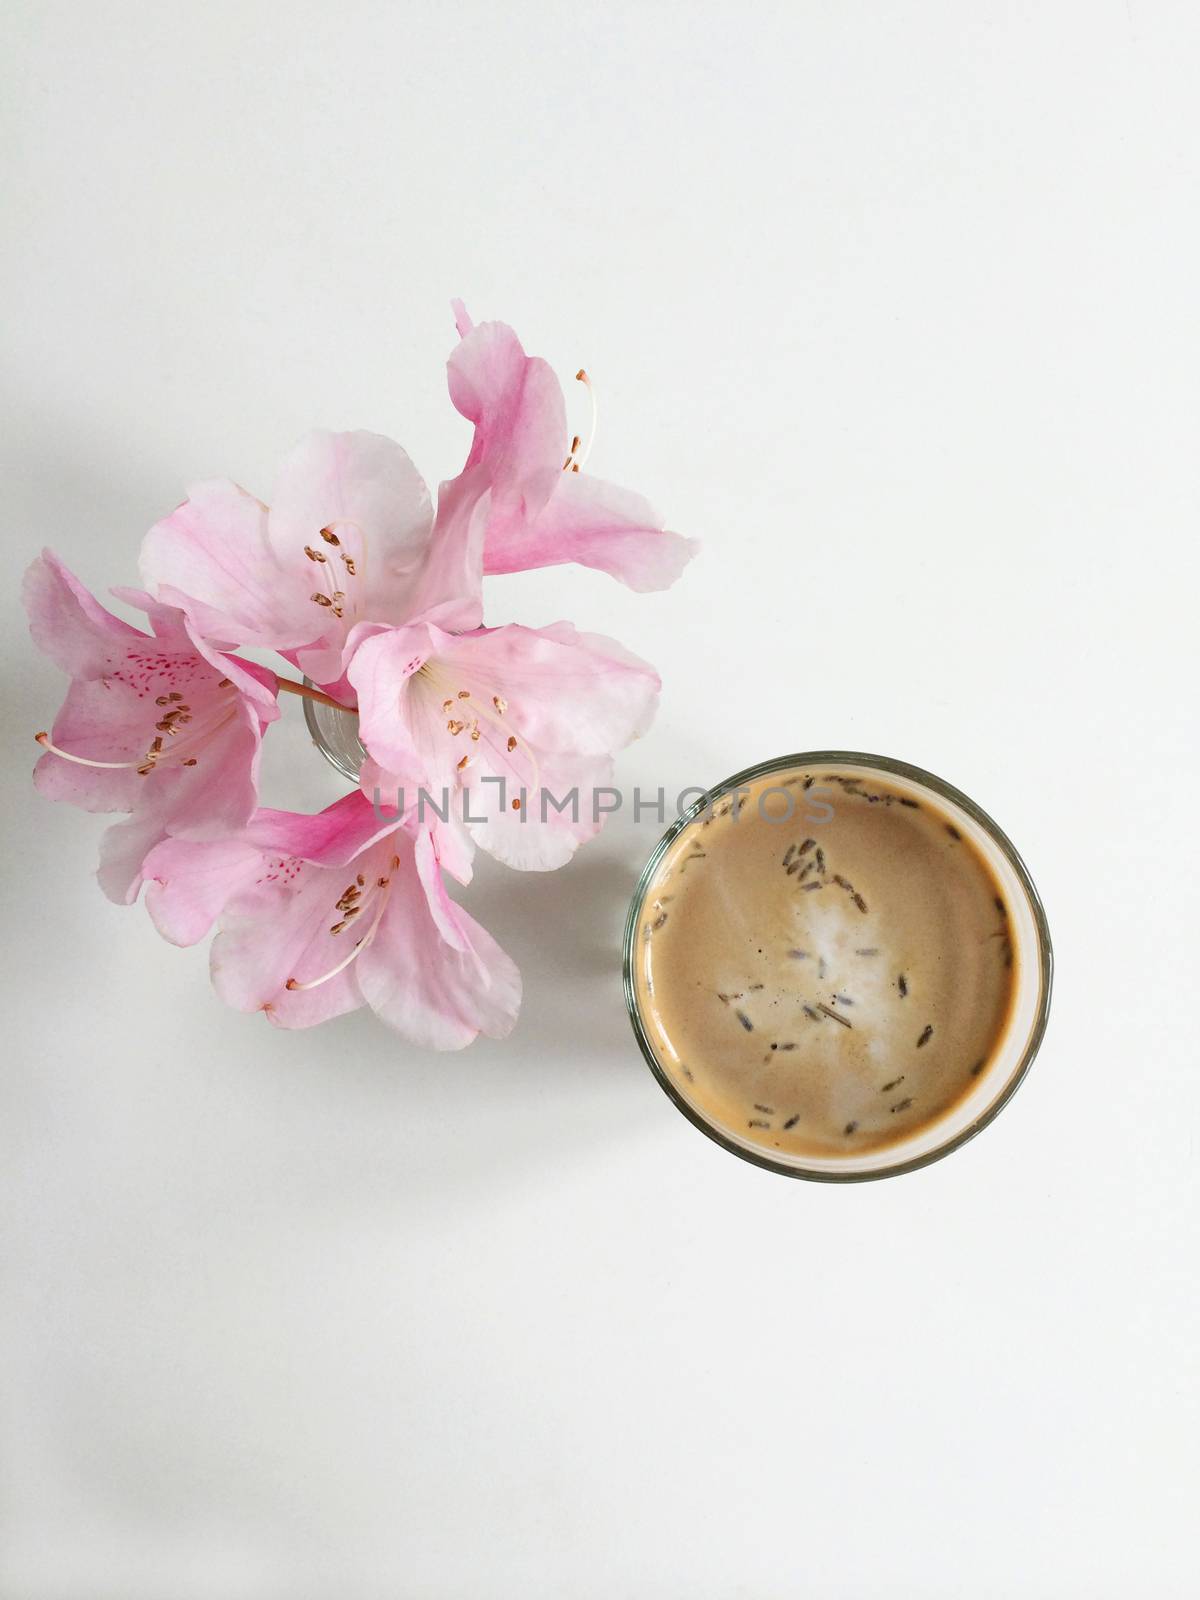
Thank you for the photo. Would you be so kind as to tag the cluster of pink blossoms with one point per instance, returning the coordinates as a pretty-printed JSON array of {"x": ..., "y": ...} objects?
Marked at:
[{"x": 355, "y": 579}]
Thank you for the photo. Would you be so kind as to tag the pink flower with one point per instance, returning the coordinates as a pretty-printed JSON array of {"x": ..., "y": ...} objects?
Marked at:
[
  {"x": 351, "y": 577},
  {"x": 350, "y": 546},
  {"x": 319, "y": 915},
  {"x": 538, "y": 514},
  {"x": 154, "y": 724},
  {"x": 345, "y": 541},
  {"x": 504, "y": 718}
]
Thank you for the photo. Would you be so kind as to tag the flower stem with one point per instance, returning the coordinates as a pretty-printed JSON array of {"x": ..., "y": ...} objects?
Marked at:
[{"x": 303, "y": 689}]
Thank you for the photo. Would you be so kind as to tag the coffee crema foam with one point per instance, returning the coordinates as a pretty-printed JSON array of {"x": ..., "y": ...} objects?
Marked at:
[{"x": 829, "y": 982}]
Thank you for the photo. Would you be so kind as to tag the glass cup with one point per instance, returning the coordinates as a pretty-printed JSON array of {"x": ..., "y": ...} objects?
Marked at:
[
  {"x": 1015, "y": 1049},
  {"x": 335, "y": 733}
]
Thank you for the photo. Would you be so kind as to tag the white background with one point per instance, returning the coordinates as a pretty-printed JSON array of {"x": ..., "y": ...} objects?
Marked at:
[{"x": 893, "y": 305}]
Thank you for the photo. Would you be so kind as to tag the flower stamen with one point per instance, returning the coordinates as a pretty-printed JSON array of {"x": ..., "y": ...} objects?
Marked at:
[
  {"x": 159, "y": 751},
  {"x": 355, "y": 564},
  {"x": 481, "y": 720},
  {"x": 83, "y": 761},
  {"x": 384, "y": 888},
  {"x": 576, "y": 462}
]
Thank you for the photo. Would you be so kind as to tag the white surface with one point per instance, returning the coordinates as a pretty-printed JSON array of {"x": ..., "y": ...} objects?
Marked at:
[{"x": 895, "y": 306}]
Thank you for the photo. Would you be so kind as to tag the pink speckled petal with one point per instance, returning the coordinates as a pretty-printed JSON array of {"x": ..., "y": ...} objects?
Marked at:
[
  {"x": 148, "y": 725},
  {"x": 278, "y": 929},
  {"x": 174, "y": 629}
]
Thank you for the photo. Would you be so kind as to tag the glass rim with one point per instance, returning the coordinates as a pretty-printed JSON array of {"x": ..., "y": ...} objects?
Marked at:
[
  {"x": 936, "y": 785},
  {"x": 321, "y": 739}
]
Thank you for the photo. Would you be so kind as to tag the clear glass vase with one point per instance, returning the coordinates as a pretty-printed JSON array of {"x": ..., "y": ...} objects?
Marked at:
[{"x": 335, "y": 734}]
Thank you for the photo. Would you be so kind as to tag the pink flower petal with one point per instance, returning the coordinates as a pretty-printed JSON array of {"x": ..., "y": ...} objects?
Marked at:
[
  {"x": 189, "y": 883},
  {"x": 123, "y": 851},
  {"x": 431, "y": 972},
  {"x": 562, "y": 690},
  {"x": 218, "y": 794},
  {"x": 597, "y": 525},
  {"x": 331, "y": 838},
  {"x": 344, "y": 543},
  {"x": 357, "y": 500},
  {"x": 214, "y": 556},
  {"x": 278, "y": 930},
  {"x": 148, "y": 725},
  {"x": 449, "y": 590},
  {"x": 115, "y": 719},
  {"x": 532, "y": 709},
  {"x": 551, "y": 822},
  {"x": 453, "y": 845},
  {"x": 381, "y": 672},
  {"x": 278, "y": 926},
  {"x": 363, "y": 483},
  {"x": 68, "y": 624},
  {"x": 98, "y": 723},
  {"x": 421, "y": 803},
  {"x": 516, "y": 404},
  {"x": 172, "y": 628},
  {"x": 538, "y": 515},
  {"x": 306, "y": 939}
]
